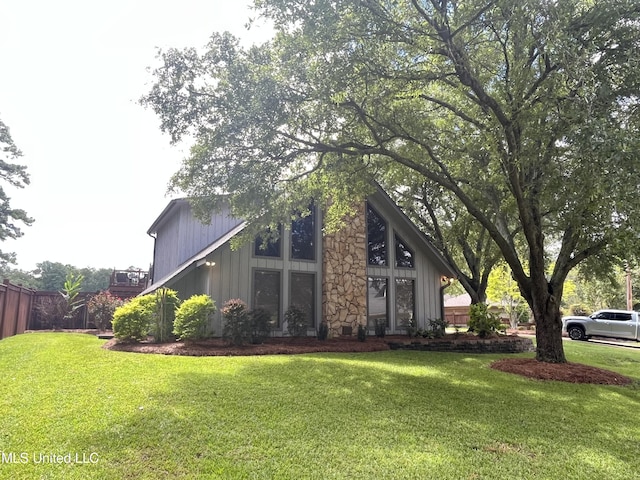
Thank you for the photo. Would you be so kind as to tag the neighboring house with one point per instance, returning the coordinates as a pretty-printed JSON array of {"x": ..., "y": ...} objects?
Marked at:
[
  {"x": 378, "y": 267},
  {"x": 456, "y": 309}
]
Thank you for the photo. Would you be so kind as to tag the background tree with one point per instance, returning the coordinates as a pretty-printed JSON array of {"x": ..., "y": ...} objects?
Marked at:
[
  {"x": 521, "y": 110},
  {"x": 51, "y": 276},
  {"x": 503, "y": 290},
  {"x": 20, "y": 277},
  {"x": 16, "y": 176}
]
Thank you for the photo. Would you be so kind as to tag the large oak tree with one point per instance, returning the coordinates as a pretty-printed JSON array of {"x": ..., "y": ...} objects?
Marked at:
[{"x": 525, "y": 111}]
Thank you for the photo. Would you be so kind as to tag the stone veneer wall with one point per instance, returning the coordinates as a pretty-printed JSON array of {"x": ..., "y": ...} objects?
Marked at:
[{"x": 344, "y": 272}]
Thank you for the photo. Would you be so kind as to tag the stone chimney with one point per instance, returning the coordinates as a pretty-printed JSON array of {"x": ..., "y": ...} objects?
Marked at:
[{"x": 344, "y": 272}]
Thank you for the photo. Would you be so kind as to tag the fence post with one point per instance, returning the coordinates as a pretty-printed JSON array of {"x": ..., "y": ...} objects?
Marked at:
[
  {"x": 3, "y": 311},
  {"x": 3, "y": 320}
]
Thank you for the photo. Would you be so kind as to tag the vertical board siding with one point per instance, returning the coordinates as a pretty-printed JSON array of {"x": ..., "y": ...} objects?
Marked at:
[
  {"x": 166, "y": 248},
  {"x": 181, "y": 236},
  {"x": 196, "y": 236}
]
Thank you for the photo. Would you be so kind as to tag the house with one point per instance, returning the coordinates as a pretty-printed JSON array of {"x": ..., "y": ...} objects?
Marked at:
[{"x": 378, "y": 268}]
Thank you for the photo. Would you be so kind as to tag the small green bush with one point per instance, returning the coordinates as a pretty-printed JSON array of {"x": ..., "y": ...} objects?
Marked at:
[
  {"x": 323, "y": 331},
  {"x": 482, "y": 322},
  {"x": 237, "y": 322},
  {"x": 164, "y": 314},
  {"x": 132, "y": 320},
  {"x": 192, "y": 317},
  {"x": 362, "y": 333},
  {"x": 381, "y": 328},
  {"x": 296, "y": 321},
  {"x": 261, "y": 324},
  {"x": 410, "y": 326},
  {"x": 438, "y": 326}
]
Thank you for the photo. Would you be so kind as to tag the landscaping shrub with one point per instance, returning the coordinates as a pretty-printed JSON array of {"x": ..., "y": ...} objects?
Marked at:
[
  {"x": 192, "y": 317},
  {"x": 323, "y": 331},
  {"x": 438, "y": 327},
  {"x": 362, "y": 333},
  {"x": 296, "y": 321},
  {"x": 131, "y": 321},
  {"x": 409, "y": 325},
  {"x": 164, "y": 314},
  {"x": 70, "y": 294},
  {"x": 381, "y": 328},
  {"x": 261, "y": 324},
  {"x": 101, "y": 308},
  {"x": 237, "y": 322},
  {"x": 482, "y": 322}
]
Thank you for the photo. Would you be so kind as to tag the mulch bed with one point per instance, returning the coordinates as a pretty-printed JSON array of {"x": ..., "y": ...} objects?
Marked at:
[
  {"x": 271, "y": 346},
  {"x": 528, "y": 367},
  {"x": 563, "y": 372}
]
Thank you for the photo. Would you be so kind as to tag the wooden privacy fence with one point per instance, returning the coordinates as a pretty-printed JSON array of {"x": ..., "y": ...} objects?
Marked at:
[{"x": 15, "y": 308}]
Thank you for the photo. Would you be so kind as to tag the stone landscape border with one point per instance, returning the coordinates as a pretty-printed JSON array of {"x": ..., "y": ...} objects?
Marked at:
[{"x": 501, "y": 344}]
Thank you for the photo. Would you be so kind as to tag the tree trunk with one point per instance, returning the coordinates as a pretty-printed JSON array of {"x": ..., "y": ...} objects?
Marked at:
[{"x": 546, "y": 312}]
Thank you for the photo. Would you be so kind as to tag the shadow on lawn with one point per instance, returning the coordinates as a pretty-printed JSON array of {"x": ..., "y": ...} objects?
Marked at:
[{"x": 354, "y": 413}]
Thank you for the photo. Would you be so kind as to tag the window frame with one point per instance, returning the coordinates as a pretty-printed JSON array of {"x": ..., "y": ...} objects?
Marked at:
[
  {"x": 254, "y": 305},
  {"x": 398, "y": 239},
  {"x": 314, "y": 300},
  {"x": 314, "y": 220},
  {"x": 385, "y": 222},
  {"x": 386, "y": 279},
  {"x": 395, "y": 298}
]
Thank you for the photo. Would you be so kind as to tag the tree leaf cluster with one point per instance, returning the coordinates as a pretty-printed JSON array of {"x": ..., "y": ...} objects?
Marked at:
[
  {"x": 16, "y": 176},
  {"x": 525, "y": 113}
]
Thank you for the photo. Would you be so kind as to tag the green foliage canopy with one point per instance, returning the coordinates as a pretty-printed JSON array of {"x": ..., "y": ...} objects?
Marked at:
[
  {"x": 526, "y": 112},
  {"x": 16, "y": 176}
]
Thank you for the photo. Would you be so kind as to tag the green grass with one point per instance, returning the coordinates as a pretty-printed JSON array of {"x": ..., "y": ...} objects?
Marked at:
[{"x": 377, "y": 415}]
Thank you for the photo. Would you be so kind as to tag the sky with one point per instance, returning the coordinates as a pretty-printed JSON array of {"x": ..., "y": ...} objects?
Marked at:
[{"x": 71, "y": 74}]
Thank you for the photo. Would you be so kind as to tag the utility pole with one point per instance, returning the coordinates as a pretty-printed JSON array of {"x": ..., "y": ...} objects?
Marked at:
[{"x": 629, "y": 289}]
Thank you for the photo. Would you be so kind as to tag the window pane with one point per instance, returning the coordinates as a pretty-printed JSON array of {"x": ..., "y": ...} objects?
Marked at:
[
  {"x": 405, "y": 303},
  {"x": 377, "y": 301},
  {"x": 302, "y": 295},
  {"x": 270, "y": 248},
  {"x": 404, "y": 255},
  {"x": 303, "y": 236},
  {"x": 376, "y": 238},
  {"x": 266, "y": 293}
]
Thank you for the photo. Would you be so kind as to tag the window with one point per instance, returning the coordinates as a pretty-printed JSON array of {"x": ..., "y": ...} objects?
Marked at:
[
  {"x": 377, "y": 301},
  {"x": 376, "y": 238},
  {"x": 405, "y": 301},
  {"x": 268, "y": 248},
  {"x": 303, "y": 294},
  {"x": 404, "y": 255},
  {"x": 266, "y": 293},
  {"x": 303, "y": 237}
]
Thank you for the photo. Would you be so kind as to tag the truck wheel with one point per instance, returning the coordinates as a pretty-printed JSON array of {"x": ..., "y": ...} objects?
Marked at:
[{"x": 576, "y": 333}]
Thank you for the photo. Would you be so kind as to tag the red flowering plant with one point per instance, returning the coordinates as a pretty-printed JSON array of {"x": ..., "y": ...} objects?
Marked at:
[{"x": 101, "y": 307}]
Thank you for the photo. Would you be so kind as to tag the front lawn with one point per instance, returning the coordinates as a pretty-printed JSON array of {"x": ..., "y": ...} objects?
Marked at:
[{"x": 394, "y": 414}]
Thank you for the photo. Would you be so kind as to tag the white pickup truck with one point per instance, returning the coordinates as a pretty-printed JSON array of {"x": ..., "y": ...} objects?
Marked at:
[{"x": 603, "y": 323}]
